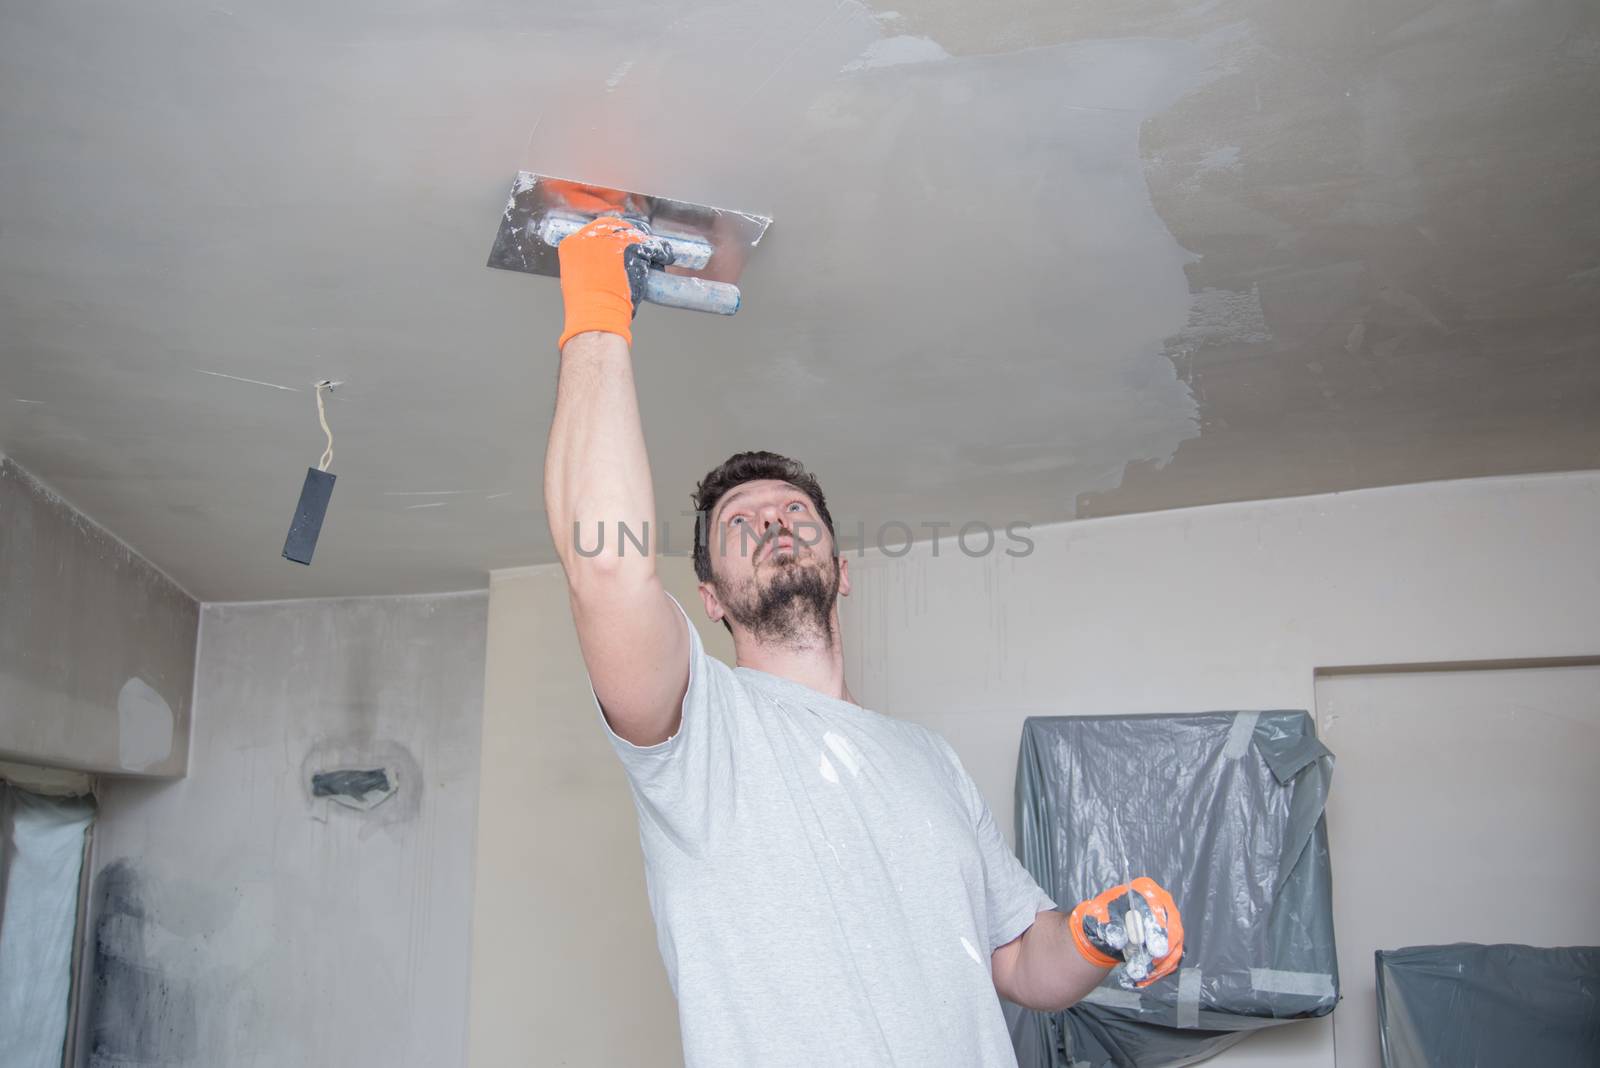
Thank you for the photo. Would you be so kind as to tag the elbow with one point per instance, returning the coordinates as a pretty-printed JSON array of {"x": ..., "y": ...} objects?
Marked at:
[
  {"x": 591, "y": 552},
  {"x": 603, "y": 546},
  {"x": 1058, "y": 1006},
  {"x": 1040, "y": 1004},
  {"x": 605, "y": 579},
  {"x": 1041, "y": 970},
  {"x": 1003, "y": 967},
  {"x": 1037, "y": 1003}
]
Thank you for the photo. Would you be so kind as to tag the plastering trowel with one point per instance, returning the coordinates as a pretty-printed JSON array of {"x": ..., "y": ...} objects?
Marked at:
[{"x": 709, "y": 245}]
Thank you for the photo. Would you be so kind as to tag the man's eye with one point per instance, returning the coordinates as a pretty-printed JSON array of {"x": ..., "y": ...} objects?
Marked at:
[
  {"x": 736, "y": 519},
  {"x": 796, "y": 504}
]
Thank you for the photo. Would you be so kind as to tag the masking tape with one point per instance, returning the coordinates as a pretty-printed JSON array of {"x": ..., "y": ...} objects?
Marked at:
[
  {"x": 1188, "y": 997},
  {"x": 1309, "y": 984},
  {"x": 1244, "y": 726},
  {"x": 1114, "y": 999}
]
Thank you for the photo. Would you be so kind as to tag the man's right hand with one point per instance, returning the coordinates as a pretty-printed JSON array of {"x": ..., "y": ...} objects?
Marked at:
[{"x": 603, "y": 272}]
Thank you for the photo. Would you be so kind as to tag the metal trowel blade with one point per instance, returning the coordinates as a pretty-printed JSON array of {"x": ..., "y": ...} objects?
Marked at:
[{"x": 536, "y": 198}]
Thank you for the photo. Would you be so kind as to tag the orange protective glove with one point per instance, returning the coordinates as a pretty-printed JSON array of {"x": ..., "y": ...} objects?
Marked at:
[
  {"x": 603, "y": 271},
  {"x": 1100, "y": 930}
]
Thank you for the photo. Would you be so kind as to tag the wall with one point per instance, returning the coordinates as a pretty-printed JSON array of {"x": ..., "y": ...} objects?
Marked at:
[
  {"x": 1223, "y": 607},
  {"x": 1470, "y": 786},
  {"x": 564, "y": 961},
  {"x": 240, "y": 920},
  {"x": 96, "y": 646}
]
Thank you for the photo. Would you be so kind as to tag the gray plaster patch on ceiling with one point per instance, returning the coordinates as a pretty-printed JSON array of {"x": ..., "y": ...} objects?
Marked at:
[
  {"x": 1405, "y": 199},
  {"x": 1101, "y": 258},
  {"x": 957, "y": 313},
  {"x": 1409, "y": 195},
  {"x": 896, "y": 52}
]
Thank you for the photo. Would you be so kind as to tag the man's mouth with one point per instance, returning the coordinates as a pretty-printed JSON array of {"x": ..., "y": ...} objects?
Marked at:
[{"x": 784, "y": 542}]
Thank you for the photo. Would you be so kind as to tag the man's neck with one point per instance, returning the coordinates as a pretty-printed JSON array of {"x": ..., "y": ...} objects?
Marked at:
[{"x": 816, "y": 666}]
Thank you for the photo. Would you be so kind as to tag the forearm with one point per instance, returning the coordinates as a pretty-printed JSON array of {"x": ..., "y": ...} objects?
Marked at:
[
  {"x": 597, "y": 473},
  {"x": 1044, "y": 969}
]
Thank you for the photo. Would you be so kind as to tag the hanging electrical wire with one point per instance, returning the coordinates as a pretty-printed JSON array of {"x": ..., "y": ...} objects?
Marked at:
[
  {"x": 322, "y": 417},
  {"x": 315, "y": 494}
]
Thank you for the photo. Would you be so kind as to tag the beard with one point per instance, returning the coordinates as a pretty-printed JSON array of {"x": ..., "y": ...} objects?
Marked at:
[{"x": 794, "y": 608}]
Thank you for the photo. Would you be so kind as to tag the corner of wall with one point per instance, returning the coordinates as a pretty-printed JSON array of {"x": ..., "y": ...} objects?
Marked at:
[{"x": 97, "y": 674}]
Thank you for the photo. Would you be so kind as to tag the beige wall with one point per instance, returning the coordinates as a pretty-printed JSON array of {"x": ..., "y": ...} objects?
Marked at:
[
  {"x": 1231, "y": 606},
  {"x": 564, "y": 962},
  {"x": 1477, "y": 789}
]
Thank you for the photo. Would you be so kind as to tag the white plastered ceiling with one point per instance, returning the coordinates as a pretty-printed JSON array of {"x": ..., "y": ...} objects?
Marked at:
[{"x": 1030, "y": 261}]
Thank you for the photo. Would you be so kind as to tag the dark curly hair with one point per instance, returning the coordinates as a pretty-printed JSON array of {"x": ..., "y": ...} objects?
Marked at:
[{"x": 736, "y": 470}]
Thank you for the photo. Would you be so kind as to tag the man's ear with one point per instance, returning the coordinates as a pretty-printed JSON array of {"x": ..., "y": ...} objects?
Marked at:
[
  {"x": 844, "y": 576},
  {"x": 708, "y": 597}
]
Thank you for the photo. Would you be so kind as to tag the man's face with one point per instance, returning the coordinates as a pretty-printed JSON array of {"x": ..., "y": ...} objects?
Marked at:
[{"x": 772, "y": 562}]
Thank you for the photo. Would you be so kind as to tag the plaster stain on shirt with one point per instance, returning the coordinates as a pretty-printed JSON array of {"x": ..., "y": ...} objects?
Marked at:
[
  {"x": 826, "y": 768},
  {"x": 972, "y": 950},
  {"x": 845, "y": 750}
]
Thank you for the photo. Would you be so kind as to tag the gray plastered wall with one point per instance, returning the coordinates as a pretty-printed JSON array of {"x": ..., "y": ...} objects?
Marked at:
[
  {"x": 237, "y": 916},
  {"x": 97, "y": 647}
]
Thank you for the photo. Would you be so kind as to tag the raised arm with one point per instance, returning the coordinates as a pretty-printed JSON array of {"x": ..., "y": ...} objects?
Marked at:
[{"x": 597, "y": 479}]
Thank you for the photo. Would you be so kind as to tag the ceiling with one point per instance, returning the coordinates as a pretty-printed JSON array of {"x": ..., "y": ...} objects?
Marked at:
[{"x": 1030, "y": 261}]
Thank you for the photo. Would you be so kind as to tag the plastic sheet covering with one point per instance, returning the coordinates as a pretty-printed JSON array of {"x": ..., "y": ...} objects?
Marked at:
[
  {"x": 41, "y": 857},
  {"x": 1224, "y": 809},
  {"x": 1465, "y": 1004}
]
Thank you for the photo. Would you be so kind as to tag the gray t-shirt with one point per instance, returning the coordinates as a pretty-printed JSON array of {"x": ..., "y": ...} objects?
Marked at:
[{"x": 827, "y": 882}]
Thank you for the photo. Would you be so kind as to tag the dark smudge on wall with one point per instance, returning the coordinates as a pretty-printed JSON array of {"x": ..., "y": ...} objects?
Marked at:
[{"x": 137, "y": 1013}]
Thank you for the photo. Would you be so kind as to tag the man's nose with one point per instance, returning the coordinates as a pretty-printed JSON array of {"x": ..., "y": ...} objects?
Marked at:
[{"x": 773, "y": 527}]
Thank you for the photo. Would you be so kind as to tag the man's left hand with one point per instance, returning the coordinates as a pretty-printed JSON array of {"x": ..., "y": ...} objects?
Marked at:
[{"x": 1136, "y": 924}]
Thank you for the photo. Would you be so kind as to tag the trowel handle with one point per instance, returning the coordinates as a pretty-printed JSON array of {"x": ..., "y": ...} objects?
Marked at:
[
  {"x": 690, "y": 253},
  {"x": 667, "y": 290},
  {"x": 695, "y": 294}
]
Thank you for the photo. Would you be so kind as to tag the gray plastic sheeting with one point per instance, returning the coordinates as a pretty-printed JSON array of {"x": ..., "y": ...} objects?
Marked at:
[
  {"x": 41, "y": 858},
  {"x": 1224, "y": 809},
  {"x": 1464, "y": 1004}
]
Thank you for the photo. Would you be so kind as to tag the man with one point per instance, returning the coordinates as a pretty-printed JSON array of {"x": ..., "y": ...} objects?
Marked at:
[{"x": 828, "y": 885}]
